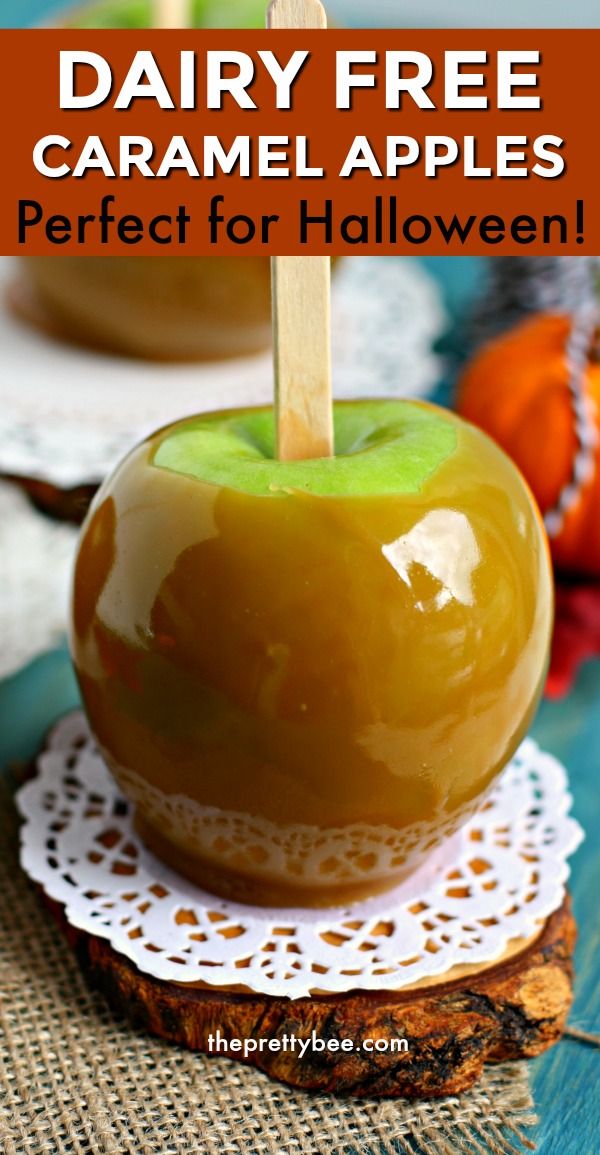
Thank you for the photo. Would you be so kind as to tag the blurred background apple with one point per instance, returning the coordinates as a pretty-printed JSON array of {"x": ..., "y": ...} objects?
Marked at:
[{"x": 160, "y": 308}]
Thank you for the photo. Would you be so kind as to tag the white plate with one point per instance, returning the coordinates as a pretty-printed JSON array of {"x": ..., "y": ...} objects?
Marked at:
[{"x": 33, "y": 605}]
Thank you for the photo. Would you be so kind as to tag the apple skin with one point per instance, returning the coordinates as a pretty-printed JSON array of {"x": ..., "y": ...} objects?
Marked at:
[{"x": 303, "y": 691}]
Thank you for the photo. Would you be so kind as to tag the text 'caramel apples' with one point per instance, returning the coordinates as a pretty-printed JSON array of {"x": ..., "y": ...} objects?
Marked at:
[{"x": 307, "y": 674}]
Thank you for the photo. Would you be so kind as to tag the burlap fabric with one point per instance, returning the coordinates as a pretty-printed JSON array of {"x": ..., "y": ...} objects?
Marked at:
[{"x": 73, "y": 1079}]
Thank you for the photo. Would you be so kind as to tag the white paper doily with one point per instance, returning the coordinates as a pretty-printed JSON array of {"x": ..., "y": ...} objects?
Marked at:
[
  {"x": 67, "y": 415},
  {"x": 78, "y": 843},
  {"x": 36, "y": 556}
]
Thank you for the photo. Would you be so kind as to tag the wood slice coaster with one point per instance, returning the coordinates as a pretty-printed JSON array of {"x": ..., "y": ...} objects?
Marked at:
[{"x": 515, "y": 1008}]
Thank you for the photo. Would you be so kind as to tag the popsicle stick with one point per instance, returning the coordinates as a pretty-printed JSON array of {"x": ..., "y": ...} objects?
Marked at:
[
  {"x": 301, "y": 288},
  {"x": 296, "y": 14},
  {"x": 172, "y": 13},
  {"x": 301, "y": 332}
]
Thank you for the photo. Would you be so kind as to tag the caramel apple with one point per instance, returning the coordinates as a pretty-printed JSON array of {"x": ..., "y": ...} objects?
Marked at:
[
  {"x": 307, "y": 674},
  {"x": 159, "y": 308}
]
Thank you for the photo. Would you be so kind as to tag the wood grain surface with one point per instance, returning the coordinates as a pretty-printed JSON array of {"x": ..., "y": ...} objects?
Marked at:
[{"x": 514, "y": 1009}]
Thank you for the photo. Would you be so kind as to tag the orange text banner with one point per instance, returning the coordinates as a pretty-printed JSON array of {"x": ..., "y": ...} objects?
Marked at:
[{"x": 384, "y": 141}]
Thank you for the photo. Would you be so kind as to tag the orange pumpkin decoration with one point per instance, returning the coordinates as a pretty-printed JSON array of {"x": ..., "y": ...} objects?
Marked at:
[{"x": 536, "y": 391}]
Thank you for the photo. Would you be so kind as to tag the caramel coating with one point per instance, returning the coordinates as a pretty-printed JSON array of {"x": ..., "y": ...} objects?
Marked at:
[
  {"x": 158, "y": 308},
  {"x": 304, "y": 694}
]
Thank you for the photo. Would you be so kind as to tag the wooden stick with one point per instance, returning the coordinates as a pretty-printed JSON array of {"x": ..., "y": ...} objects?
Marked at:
[
  {"x": 301, "y": 288},
  {"x": 172, "y": 13},
  {"x": 296, "y": 14}
]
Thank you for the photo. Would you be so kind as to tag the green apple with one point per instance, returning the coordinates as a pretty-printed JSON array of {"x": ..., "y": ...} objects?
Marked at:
[
  {"x": 139, "y": 14},
  {"x": 307, "y": 674},
  {"x": 380, "y": 448}
]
